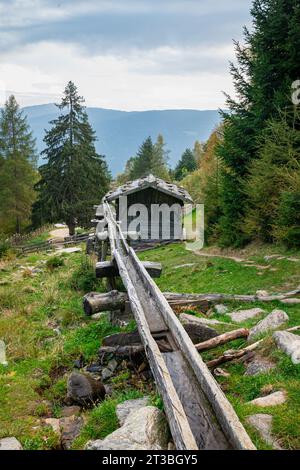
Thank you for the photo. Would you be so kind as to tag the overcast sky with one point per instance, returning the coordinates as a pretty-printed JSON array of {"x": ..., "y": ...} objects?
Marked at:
[{"x": 122, "y": 54}]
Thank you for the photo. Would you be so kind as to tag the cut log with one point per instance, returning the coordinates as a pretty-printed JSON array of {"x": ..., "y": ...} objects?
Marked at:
[
  {"x": 110, "y": 301},
  {"x": 109, "y": 269},
  {"x": 222, "y": 339},
  {"x": 94, "y": 302},
  {"x": 114, "y": 300},
  {"x": 232, "y": 354},
  {"x": 232, "y": 297}
]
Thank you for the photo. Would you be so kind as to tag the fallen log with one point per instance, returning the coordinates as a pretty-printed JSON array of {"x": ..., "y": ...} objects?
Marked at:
[
  {"x": 234, "y": 297},
  {"x": 114, "y": 300},
  {"x": 110, "y": 301},
  {"x": 232, "y": 354},
  {"x": 222, "y": 339}
]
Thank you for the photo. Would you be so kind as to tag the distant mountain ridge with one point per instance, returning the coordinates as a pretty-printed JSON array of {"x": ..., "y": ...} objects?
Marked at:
[{"x": 120, "y": 133}]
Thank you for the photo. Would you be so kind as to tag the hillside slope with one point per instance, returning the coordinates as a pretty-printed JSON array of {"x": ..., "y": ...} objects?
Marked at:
[{"x": 120, "y": 133}]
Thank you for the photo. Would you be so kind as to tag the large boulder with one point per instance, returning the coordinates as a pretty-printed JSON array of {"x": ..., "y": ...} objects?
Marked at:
[
  {"x": 128, "y": 407},
  {"x": 10, "y": 443},
  {"x": 260, "y": 365},
  {"x": 243, "y": 315},
  {"x": 144, "y": 429},
  {"x": 198, "y": 329},
  {"x": 3, "y": 360},
  {"x": 83, "y": 389},
  {"x": 274, "y": 399},
  {"x": 273, "y": 321},
  {"x": 263, "y": 425},
  {"x": 288, "y": 343}
]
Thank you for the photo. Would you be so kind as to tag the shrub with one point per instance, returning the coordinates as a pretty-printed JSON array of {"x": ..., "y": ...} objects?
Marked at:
[
  {"x": 55, "y": 262},
  {"x": 84, "y": 278},
  {"x": 4, "y": 246}
]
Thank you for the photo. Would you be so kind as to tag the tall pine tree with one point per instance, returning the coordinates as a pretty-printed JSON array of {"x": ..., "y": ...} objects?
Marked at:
[
  {"x": 160, "y": 159},
  {"x": 187, "y": 164},
  {"x": 18, "y": 172},
  {"x": 74, "y": 177},
  {"x": 268, "y": 63}
]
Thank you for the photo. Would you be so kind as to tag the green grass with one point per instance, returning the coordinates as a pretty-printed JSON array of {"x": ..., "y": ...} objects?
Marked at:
[
  {"x": 103, "y": 420},
  {"x": 219, "y": 275},
  {"x": 39, "y": 358}
]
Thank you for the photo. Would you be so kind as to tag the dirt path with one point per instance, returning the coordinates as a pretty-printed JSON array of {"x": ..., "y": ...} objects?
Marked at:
[
  {"x": 246, "y": 262},
  {"x": 217, "y": 255},
  {"x": 59, "y": 233}
]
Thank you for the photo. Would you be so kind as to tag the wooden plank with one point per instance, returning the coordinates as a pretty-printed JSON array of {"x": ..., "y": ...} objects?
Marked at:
[
  {"x": 180, "y": 429},
  {"x": 110, "y": 269},
  {"x": 228, "y": 419},
  {"x": 203, "y": 423}
]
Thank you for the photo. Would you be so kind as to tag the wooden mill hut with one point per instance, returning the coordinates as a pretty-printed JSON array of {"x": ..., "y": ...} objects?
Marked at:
[{"x": 156, "y": 204}]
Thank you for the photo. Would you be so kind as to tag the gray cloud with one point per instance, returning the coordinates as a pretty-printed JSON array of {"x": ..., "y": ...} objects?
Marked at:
[{"x": 118, "y": 26}]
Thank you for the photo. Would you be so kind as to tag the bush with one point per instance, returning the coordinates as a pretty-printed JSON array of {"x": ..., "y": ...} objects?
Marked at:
[
  {"x": 55, "y": 262},
  {"x": 84, "y": 278},
  {"x": 288, "y": 228},
  {"x": 4, "y": 246}
]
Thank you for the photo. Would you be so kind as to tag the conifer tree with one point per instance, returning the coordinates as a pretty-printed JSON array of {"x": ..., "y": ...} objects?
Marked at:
[
  {"x": 160, "y": 159},
  {"x": 187, "y": 164},
  {"x": 274, "y": 183},
  {"x": 267, "y": 64},
  {"x": 74, "y": 177},
  {"x": 142, "y": 162},
  {"x": 18, "y": 172}
]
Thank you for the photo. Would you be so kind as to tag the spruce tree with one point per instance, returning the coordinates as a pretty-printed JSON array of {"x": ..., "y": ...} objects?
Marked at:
[
  {"x": 160, "y": 159},
  {"x": 74, "y": 177},
  {"x": 18, "y": 172},
  {"x": 142, "y": 164},
  {"x": 267, "y": 65},
  {"x": 274, "y": 183},
  {"x": 187, "y": 164}
]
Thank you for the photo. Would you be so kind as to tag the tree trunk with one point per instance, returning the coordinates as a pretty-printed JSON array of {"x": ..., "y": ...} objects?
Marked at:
[
  {"x": 222, "y": 339},
  {"x": 71, "y": 227}
]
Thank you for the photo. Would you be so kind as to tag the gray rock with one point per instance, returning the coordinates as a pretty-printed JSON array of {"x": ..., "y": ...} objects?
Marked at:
[
  {"x": 263, "y": 425},
  {"x": 83, "y": 389},
  {"x": 68, "y": 411},
  {"x": 98, "y": 316},
  {"x": 221, "y": 309},
  {"x": 198, "y": 329},
  {"x": 10, "y": 443},
  {"x": 258, "y": 366},
  {"x": 289, "y": 344},
  {"x": 3, "y": 360},
  {"x": 218, "y": 372},
  {"x": 129, "y": 406},
  {"x": 106, "y": 374},
  {"x": 70, "y": 430},
  {"x": 274, "y": 399},
  {"x": 144, "y": 429},
  {"x": 273, "y": 321},
  {"x": 54, "y": 424},
  {"x": 262, "y": 293},
  {"x": 243, "y": 315},
  {"x": 112, "y": 365}
]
